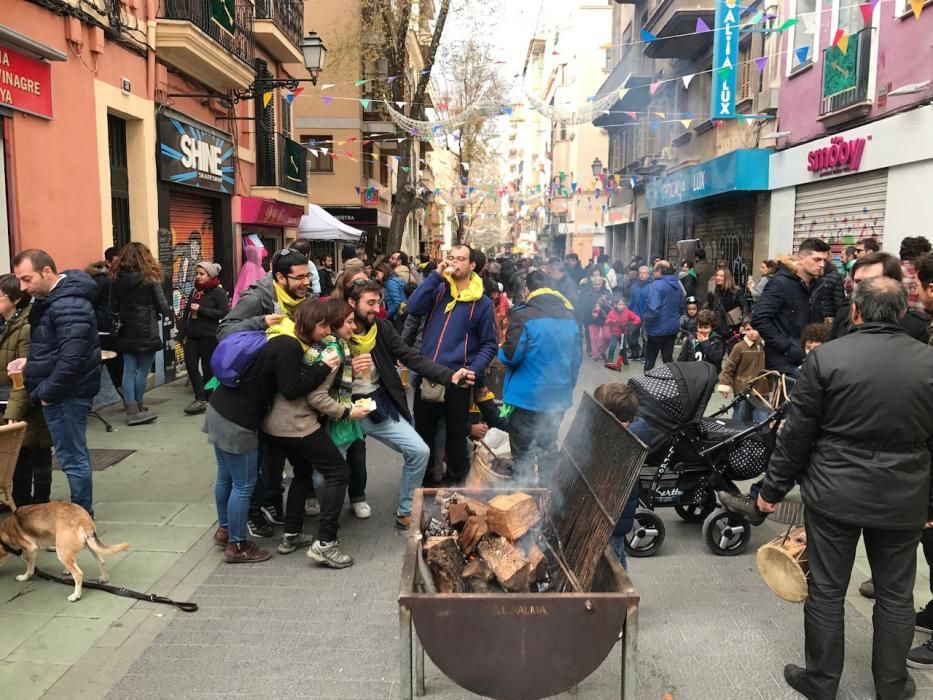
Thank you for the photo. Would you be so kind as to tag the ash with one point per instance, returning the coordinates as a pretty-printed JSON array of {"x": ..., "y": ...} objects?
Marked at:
[
  {"x": 438, "y": 528},
  {"x": 542, "y": 586}
]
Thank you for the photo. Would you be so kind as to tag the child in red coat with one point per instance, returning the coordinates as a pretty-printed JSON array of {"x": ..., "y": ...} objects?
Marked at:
[{"x": 619, "y": 324}]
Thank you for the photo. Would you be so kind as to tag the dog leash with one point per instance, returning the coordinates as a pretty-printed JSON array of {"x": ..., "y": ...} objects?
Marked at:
[{"x": 115, "y": 590}]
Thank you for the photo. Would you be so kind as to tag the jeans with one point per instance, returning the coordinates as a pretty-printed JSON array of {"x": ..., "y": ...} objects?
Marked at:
[
  {"x": 236, "y": 477},
  {"x": 67, "y": 422},
  {"x": 136, "y": 368},
  {"x": 455, "y": 414},
  {"x": 307, "y": 454},
  {"x": 746, "y": 413},
  {"x": 198, "y": 353},
  {"x": 624, "y": 526},
  {"x": 531, "y": 434},
  {"x": 659, "y": 343},
  {"x": 634, "y": 341},
  {"x": 355, "y": 454},
  {"x": 892, "y": 555},
  {"x": 269, "y": 490},
  {"x": 401, "y": 437},
  {"x": 32, "y": 479}
]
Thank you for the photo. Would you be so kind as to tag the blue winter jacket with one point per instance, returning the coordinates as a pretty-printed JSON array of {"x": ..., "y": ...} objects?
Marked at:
[
  {"x": 662, "y": 306},
  {"x": 465, "y": 337},
  {"x": 64, "y": 348},
  {"x": 638, "y": 296},
  {"x": 395, "y": 295},
  {"x": 542, "y": 355}
]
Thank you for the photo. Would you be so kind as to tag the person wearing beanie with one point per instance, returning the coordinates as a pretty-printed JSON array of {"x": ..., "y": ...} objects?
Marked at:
[
  {"x": 207, "y": 305},
  {"x": 348, "y": 253}
]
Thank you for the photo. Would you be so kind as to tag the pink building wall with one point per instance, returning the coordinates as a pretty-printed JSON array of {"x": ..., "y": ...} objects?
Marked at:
[{"x": 905, "y": 56}]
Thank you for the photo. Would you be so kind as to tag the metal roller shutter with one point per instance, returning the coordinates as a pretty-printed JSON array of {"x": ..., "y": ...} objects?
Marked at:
[
  {"x": 192, "y": 221},
  {"x": 842, "y": 210}
]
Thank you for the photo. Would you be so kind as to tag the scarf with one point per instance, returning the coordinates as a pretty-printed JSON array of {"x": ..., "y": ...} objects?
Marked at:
[
  {"x": 342, "y": 432},
  {"x": 201, "y": 289},
  {"x": 364, "y": 343},
  {"x": 285, "y": 327},
  {"x": 547, "y": 290},
  {"x": 473, "y": 292},
  {"x": 285, "y": 301}
]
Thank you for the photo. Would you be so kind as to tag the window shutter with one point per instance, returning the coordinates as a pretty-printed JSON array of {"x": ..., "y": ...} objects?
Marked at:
[{"x": 265, "y": 132}]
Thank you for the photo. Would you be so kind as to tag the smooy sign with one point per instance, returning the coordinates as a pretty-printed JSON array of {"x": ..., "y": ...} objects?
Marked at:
[{"x": 839, "y": 156}]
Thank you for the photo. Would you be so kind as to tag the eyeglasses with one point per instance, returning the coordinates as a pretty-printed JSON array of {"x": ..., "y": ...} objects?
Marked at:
[
  {"x": 456, "y": 258},
  {"x": 300, "y": 278}
]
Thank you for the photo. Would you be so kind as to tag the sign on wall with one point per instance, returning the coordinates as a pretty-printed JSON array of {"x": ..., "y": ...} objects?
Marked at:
[
  {"x": 725, "y": 60},
  {"x": 25, "y": 83},
  {"x": 194, "y": 154},
  {"x": 223, "y": 12}
]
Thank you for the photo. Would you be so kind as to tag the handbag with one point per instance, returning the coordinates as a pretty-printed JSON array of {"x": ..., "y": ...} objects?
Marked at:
[
  {"x": 734, "y": 316},
  {"x": 433, "y": 392}
]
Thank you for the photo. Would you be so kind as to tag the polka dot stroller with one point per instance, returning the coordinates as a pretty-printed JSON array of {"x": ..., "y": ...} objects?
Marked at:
[{"x": 692, "y": 457}]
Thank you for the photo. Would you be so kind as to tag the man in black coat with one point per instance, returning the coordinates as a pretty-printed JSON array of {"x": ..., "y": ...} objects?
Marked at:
[
  {"x": 792, "y": 300},
  {"x": 858, "y": 437},
  {"x": 63, "y": 367}
]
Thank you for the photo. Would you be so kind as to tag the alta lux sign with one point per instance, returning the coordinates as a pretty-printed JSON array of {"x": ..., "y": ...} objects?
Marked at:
[
  {"x": 25, "y": 83},
  {"x": 840, "y": 156},
  {"x": 195, "y": 155},
  {"x": 725, "y": 59}
]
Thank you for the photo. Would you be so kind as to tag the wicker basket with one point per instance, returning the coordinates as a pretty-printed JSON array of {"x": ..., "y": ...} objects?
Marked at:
[{"x": 11, "y": 439}]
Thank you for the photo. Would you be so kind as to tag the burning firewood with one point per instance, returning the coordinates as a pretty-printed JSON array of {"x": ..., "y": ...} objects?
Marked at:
[
  {"x": 458, "y": 513},
  {"x": 447, "y": 562},
  {"x": 513, "y": 515},
  {"x": 479, "y": 578},
  {"x": 506, "y": 562},
  {"x": 473, "y": 531},
  {"x": 529, "y": 548}
]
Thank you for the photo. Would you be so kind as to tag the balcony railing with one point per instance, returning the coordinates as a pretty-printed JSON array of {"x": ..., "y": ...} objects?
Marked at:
[
  {"x": 845, "y": 75},
  {"x": 287, "y": 15},
  {"x": 227, "y": 22}
]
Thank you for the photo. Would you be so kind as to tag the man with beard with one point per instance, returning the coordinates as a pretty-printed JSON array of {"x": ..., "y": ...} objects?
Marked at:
[
  {"x": 377, "y": 348},
  {"x": 265, "y": 303},
  {"x": 459, "y": 332}
]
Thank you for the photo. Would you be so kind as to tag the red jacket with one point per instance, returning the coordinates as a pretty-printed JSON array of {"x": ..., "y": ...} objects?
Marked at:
[{"x": 619, "y": 323}]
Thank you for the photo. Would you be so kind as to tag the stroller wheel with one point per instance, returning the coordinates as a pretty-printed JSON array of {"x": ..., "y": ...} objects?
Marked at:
[
  {"x": 646, "y": 535},
  {"x": 693, "y": 513},
  {"x": 725, "y": 533}
]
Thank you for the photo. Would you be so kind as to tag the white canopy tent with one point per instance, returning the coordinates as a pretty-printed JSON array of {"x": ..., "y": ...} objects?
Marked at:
[{"x": 319, "y": 225}]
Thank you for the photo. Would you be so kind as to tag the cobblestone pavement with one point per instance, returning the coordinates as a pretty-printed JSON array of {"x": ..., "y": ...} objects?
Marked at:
[{"x": 708, "y": 626}]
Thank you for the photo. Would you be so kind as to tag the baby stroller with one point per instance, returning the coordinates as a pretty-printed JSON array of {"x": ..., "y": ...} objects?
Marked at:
[{"x": 692, "y": 457}]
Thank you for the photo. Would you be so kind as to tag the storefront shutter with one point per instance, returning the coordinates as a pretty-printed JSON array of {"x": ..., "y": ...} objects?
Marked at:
[{"x": 842, "y": 210}]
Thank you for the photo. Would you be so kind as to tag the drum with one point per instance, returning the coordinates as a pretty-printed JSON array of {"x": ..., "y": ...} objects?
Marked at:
[{"x": 783, "y": 565}]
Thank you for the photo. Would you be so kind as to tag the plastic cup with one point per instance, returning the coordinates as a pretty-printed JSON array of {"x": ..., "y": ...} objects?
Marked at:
[{"x": 17, "y": 379}]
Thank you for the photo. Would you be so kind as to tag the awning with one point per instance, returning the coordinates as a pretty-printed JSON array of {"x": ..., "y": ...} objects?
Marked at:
[
  {"x": 635, "y": 100},
  {"x": 318, "y": 225}
]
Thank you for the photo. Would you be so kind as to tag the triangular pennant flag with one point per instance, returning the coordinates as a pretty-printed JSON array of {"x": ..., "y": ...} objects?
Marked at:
[
  {"x": 573, "y": 186},
  {"x": 328, "y": 86},
  {"x": 266, "y": 98},
  {"x": 351, "y": 139},
  {"x": 661, "y": 115},
  {"x": 357, "y": 83},
  {"x": 633, "y": 180},
  {"x": 788, "y": 24},
  {"x": 839, "y": 34},
  {"x": 686, "y": 123},
  {"x": 760, "y": 62},
  {"x": 391, "y": 79},
  {"x": 292, "y": 95},
  {"x": 843, "y": 44},
  {"x": 314, "y": 152},
  {"x": 507, "y": 110},
  {"x": 400, "y": 104},
  {"x": 866, "y": 9},
  {"x": 873, "y": 3},
  {"x": 405, "y": 168},
  {"x": 687, "y": 79},
  {"x": 324, "y": 151},
  {"x": 622, "y": 93},
  {"x": 917, "y": 7},
  {"x": 802, "y": 53},
  {"x": 647, "y": 36},
  {"x": 701, "y": 26},
  {"x": 757, "y": 18},
  {"x": 350, "y": 156},
  {"x": 358, "y": 190},
  {"x": 328, "y": 100},
  {"x": 724, "y": 72},
  {"x": 654, "y": 86},
  {"x": 364, "y": 102}
]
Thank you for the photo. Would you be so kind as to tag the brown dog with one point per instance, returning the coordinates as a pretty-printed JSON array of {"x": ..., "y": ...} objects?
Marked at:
[{"x": 66, "y": 525}]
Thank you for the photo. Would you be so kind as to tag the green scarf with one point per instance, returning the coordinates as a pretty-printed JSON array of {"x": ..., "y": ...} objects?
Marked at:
[{"x": 342, "y": 432}]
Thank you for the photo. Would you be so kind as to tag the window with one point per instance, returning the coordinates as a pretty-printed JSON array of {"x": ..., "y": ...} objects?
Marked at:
[
  {"x": 286, "y": 109},
  {"x": 847, "y": 17},
  {"x": 367, "y": 157},
  {"x": 747, "y": 67},
  {"x": 805, "y": 33},
  {"x": 902, "y": 7},
  {"x": 321, "y": 162}
]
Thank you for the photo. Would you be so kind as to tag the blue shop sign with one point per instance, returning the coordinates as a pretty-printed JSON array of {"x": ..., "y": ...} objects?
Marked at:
[
  {"x": 195, "y": 154},
  {"x": 744, "y": 170}
]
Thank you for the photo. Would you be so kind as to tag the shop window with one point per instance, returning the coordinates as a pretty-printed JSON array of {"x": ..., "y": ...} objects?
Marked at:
[
  {"x": 805, "y": 33},
  {"x": 318, "y": 161}
]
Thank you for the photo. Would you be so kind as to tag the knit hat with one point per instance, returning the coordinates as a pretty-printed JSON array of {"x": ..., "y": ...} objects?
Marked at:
[
  {"x": 212, "y": 269},
  {"x": 348, "y": 252}
]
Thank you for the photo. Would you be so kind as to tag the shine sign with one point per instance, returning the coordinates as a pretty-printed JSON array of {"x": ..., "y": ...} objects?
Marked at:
[{"x": 725, "y": 60}]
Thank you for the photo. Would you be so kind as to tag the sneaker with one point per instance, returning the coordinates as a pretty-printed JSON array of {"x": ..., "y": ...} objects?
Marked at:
[
  {"x": 258, "y": 527},
  {"x": 329, "y": 554},
  {"x": 612, "y": 365},
  {"x": 742, "y": 505},
  {"x": 361, "y": 510},
  {"x": 867, "y": 589},
  {"x": 245, "y": 553},
  {"x": 312, "y": 508},
  {"x": 273, "y": 514},
  {"x": 196, "y": 406},
  {"x": 222, "y": 537},
  {"x": 925, "y": 619},
  {"x": 402, "y": 522},
  {"x": 290, "y": 543},
  {"x": 921, "y": 656}
]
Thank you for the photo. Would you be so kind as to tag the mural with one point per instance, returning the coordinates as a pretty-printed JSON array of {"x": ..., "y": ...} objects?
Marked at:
[{"x": 189, "y": 246}]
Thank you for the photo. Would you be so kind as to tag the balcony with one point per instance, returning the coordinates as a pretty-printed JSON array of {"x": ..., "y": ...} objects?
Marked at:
[
  {"x": 283, "y": 174},
  {"x": 844, "y": 94},
  {"x": 278, "y": 27},
  {"x": 674, "y": 23},
  {"x": 211, "y": 41}
]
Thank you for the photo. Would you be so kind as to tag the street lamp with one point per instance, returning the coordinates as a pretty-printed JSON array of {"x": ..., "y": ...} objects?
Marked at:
[
  {"x": 314, "y": 52},
  {"x": 597, "y": 167}
]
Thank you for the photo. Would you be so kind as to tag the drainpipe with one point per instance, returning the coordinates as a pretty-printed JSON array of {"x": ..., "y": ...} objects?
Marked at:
[{"x": 150, "y": 51}]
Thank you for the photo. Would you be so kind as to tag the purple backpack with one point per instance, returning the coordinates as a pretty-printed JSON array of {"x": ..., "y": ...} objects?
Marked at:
[{"x": 234, "y": 355}]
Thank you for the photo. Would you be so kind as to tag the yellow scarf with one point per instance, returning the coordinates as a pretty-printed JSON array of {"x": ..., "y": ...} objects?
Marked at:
[
  {"x": 548, "y": 290},
  {"x": 363, "y": 344},
  {"x": 285, "y": 301},
  {"x": 285, "y": 327},
  {"x": 471, "y": 293}
]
